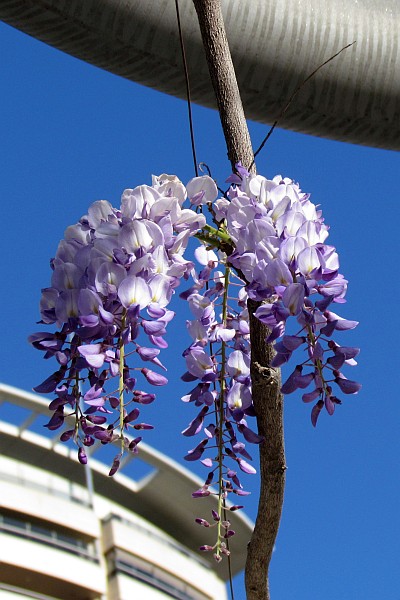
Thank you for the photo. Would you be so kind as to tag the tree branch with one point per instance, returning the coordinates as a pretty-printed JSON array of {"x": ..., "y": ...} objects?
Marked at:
[
  {"x": 268, "y": 404},
  {"x": 266, "y": 384},
  {"x": 224, "y": 81}
]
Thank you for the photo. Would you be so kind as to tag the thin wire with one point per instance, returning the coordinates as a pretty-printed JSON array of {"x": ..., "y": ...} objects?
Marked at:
[
  {"x": 203, "y": 166},
  {"x": 294, "y": 94},
  {"x": 189, "y": 105}
]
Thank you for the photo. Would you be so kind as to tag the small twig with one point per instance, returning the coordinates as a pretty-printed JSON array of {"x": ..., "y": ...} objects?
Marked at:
[
  {"x": 204, "y": 167},
  {"x": 189, "y": 104},
  {"x": 294, "y": 94}
]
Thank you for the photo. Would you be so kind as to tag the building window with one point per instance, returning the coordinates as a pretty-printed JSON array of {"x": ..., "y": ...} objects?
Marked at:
[
  {"x": 47, "y": 533},
  {"x": 122, "y": 563}
]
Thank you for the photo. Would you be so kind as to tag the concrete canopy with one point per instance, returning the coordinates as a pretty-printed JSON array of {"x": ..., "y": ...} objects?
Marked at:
[{"x": 275, "y": 46}]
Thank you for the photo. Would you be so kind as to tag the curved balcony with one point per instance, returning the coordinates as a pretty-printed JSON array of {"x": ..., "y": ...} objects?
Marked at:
[{"x": 74, "y": 531}]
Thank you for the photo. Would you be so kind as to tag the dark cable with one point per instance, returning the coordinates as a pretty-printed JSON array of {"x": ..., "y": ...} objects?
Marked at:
[
  {"x": 294, "y": 94},
  {"x": 189, "y": 105}
]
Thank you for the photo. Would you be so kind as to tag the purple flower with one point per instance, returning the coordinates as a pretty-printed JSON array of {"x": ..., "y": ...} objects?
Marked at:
[
  {"x": 131, "y": 416},
  {"x": 198, "y": 363},
  {"x": 57, "y": 420},
  {"x": 201, "y": 493},
  {"x": 108, "y": 277},
  {"x": 110, "y": 266},
  {"x": 116, "y": 464},
  {"x": 134, "y": 291},
  {"x": 49, "y": 384},
  {"x": 316, "y": 412},
  {"x": 93, "y": 355},
  {"x": 197, "y": 452},
  {"x": 150, "y": 354},
  {"x": 282, "y": 355},
  {"x": 341, "y": 355},
  {"x": 115, "y": 263},
  {"x": 201, "y": 190},
  {"x": 239, "y": 397},
  {"x": 238, "y": 365},
  {"x": 241, "y": 173},
  {"x": 82, "y": 456},
  {"x": 311, "y": 396},
  {"x": 293, "y": 298},
  {"x": 339, "y": 323},
  {"x": 347, "y": 386},
  {"x": 277, "y": 273},
  {"x": 249, "y": 435},
  {"x": 153, "y": 377},
  {"x": 291, "y": 384},
  {"x": 196, "y": 425},
  {"x": 245, "y": 467},
  {"x": 202, "y": 522}
]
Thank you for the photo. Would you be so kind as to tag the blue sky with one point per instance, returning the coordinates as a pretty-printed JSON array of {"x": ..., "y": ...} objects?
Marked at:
[{"x": 72, "y": 134}]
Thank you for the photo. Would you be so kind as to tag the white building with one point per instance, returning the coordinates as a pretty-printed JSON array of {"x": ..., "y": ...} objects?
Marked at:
[{"x": 72, "y": 532}]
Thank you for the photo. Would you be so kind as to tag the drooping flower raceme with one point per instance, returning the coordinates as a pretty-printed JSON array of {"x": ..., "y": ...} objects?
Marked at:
[
  {"x": 280, "y": 247},
  {"x": 114, "y": 274},
  {"x": 272, "y": 240},
  {"x": 218, "y": 360}
]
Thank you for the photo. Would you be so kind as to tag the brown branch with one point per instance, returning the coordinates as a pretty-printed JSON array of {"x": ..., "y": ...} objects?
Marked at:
[
  {"x": 223, "y": 78},
  {"x": 268, "y": 404},
  {"x": 267, "y": 398}
]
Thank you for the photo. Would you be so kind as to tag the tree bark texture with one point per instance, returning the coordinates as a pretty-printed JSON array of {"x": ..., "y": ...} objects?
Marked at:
[
  {"x": 266, "y": 383},
  {"x": 268, "y": 404},
  {"x": 224, "y": 82}
]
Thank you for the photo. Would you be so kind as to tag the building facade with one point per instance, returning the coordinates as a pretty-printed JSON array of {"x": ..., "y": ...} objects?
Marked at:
[{"x": 72, "y": 532}]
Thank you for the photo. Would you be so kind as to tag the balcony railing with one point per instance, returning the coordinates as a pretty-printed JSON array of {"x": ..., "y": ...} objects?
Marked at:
[
  {"x": 158, "y": 537},
  {"x": 41, "y": 534},
  {"x": 46, "y": 489}
]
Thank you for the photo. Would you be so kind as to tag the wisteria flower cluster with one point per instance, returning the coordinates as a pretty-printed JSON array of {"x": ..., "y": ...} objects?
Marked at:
[
  {"x": 114, "y": 274},
  {"x": 218, "y": 359},
  {"x": 279, "y": 239},
  {"x": 271, "y": 241},
  {"x": 111, "y": 266}
]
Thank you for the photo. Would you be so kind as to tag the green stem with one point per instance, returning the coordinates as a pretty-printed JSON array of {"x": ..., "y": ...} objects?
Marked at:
[
  {"x": 221, "y": 415},
  {"x": 76, "y": 394},
  {"x": 121, "y": 380},
  {"x": 225, "y": 237},
  {"x": 213, "y": 236},
  {"x": 318, "y": 362}
]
